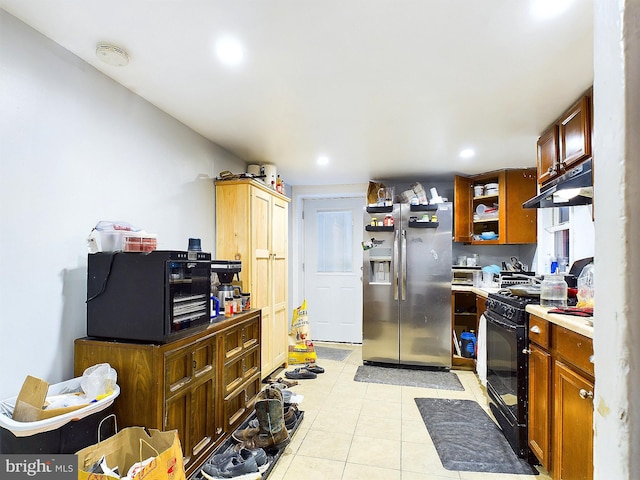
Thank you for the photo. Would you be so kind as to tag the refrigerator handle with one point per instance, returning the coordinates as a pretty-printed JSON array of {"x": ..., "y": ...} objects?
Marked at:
[
  {"x": 395, "y": 265},
  {"x": 404, "y": 264}
]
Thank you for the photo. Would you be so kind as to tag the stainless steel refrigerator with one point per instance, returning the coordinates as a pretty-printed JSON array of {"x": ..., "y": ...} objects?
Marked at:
[{"x": 407, "y": 285}]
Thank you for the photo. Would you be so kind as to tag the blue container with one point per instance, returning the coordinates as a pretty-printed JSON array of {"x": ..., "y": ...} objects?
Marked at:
[{"x": 468, "y": 344}]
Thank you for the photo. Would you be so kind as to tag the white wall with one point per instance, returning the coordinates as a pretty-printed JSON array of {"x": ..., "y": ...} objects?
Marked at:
[
  {"x": 617, "y": 249},
  {"x": 76, "y": 148}
]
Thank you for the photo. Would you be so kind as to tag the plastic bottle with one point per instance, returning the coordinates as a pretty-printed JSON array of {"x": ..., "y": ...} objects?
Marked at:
[
  {"x": 279, "y": 185},
  {"x": 554, "y": 265}
]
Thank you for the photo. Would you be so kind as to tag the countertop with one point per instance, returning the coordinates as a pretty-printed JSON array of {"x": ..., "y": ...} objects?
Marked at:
[{"x": 581, "y": 325}]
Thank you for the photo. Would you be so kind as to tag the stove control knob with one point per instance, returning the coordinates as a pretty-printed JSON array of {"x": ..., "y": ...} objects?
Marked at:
[{"x": 509, "y": 312}]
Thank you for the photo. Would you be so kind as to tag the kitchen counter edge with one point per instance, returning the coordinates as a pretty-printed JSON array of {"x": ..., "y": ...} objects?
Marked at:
[{"x": 575, "y": 324}]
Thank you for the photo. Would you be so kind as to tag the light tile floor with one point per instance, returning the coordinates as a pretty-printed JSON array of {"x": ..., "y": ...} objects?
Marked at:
[{"x": 353, "y": 430}]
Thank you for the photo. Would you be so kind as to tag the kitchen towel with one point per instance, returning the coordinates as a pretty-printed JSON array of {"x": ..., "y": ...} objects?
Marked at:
[{"x": 467, "y": 439}]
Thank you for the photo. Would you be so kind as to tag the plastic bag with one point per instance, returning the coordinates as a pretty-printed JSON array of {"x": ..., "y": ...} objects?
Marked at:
[
  {"x": 300, "y": 330},
  {"x": 586, "y": 287},
  {"x": 98, "y": 381},
  {"x": 301, "y": 348}
]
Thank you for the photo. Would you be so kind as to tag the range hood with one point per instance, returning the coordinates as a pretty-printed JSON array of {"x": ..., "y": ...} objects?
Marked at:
[{"x": 572, "y": 188}]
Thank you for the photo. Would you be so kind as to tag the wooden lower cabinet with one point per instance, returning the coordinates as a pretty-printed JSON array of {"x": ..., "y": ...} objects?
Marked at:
[
  {"x": 203, "y": 385},
  {"x": 572, "y": 424},
  {"x": 540, "y": 405},
  {"x": 561, "y": 384},
  {"x": 464, "y": 317}
]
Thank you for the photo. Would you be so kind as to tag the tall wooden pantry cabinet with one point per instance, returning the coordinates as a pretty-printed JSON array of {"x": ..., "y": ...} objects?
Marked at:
[{"x": 252, "y": 226}]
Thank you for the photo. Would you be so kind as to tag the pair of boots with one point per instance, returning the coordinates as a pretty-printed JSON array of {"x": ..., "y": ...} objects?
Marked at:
[{"x": 271, "y": 432}]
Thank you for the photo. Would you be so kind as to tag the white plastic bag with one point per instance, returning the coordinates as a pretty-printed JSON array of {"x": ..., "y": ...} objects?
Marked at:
[
  {"x": 98, "y": 381},
  {"x": 586, "y": 286}
]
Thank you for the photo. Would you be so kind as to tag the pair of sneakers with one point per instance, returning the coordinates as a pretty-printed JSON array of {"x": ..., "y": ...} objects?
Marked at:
[{"x": 236, "y": 462}]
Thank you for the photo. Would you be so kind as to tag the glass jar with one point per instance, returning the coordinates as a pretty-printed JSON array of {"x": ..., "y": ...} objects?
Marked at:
[
  {"x": 553, "y": 291},
  {"x": 388, "y": 221}
]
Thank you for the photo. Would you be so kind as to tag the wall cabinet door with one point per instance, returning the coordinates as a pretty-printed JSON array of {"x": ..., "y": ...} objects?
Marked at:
[
  {"x": 462, "y": 214},
  {"x": 548, "y": 154},
  {"x": 540, "y": 405},
  {"x": 573, "y": 424},
  {"x": 575, "y": 134}
]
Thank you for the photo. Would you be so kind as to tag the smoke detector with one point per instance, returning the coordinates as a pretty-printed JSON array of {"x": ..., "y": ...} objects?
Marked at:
[{"x": 112, "y": 54}]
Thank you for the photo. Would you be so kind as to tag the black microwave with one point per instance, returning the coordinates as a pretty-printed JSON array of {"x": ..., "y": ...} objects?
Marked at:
[{"x": 154, "y": 297}]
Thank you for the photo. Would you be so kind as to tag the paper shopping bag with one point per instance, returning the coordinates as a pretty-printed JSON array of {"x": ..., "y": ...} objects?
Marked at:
[{"x": 161, "y": 450}]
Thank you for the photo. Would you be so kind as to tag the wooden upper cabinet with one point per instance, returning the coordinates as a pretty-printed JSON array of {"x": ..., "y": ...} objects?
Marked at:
[
  {"x": 548, "y": 154},
  {"x": 512, "y": 223},
  {"x": 567, "y": 142},
  {"x": 575, "y": 134}
]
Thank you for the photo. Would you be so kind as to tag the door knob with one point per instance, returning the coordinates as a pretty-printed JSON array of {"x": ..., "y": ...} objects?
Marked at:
[
  {"x": 585, "y": 394},
  {"x": 526, "y": 351},
  {"x": 535, "y": 329}
]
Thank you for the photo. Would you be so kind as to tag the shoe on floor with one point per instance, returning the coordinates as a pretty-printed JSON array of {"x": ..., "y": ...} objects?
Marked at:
[
  {"x": 235, "y": 466},
  {"x": 312, "y": 367},
  {"x": 290, "y": 416},
  {"x": 259, "y": 455},
  {"x": 300, "y": 374}
]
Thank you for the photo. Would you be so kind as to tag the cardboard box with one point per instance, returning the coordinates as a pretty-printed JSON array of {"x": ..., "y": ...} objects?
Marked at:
[{"x": 31, "y": 402}]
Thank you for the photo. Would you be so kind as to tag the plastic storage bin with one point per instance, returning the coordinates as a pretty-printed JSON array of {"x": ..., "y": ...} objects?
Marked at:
[{"x": 65, "y": 433}]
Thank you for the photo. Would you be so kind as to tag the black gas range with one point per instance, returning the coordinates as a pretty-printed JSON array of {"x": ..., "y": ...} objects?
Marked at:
[
  {"x": 510, "y": 306},
  {"x": 508, "y": 366}
]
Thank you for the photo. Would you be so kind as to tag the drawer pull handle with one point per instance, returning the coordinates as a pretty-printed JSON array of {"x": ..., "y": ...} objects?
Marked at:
[
  {"x": 585, "y": 394},
  {"x": 526, "y": 351},
  {"x": 535, "y": 329}
]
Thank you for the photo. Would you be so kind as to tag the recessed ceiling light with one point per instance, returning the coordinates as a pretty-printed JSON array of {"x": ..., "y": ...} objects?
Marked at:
[
  {"x": 544, "y": 9},
  {"x": 112, "y": 54},
  {"x": 467, "y": 153},
  {"x": 323, "y": 160},
  {"x": 230, "y": 51}
]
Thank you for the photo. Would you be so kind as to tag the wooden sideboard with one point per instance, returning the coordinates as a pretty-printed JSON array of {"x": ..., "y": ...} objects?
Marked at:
[{"x": 203, "y": 385}]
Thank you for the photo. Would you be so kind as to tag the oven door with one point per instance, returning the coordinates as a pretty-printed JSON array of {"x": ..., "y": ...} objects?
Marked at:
[
  {"x": 506, "y": 364},
  {"x": 507, "y": 373}
]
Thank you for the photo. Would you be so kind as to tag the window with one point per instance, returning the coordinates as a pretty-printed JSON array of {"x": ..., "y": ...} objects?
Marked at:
[
  {"x": 335, "y": 242},
  {"x": 561, "y": 220}
]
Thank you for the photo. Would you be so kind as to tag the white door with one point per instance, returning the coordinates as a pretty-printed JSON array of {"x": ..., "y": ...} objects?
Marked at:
[{"x": 333, "y": 268}]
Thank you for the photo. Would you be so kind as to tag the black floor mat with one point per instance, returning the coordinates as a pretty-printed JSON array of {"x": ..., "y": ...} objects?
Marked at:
[
  {"x": 332, "y": 353},
  {"x": 467, "y": 439},
  {"x": 408, "y": 377}
]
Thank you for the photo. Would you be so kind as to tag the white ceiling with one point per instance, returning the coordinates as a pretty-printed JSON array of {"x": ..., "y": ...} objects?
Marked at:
[{"x": 382, "y": 87}]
